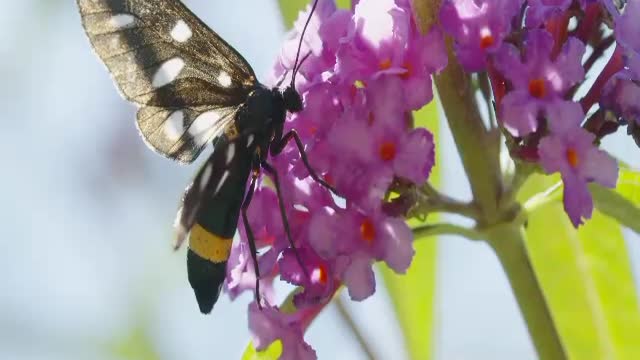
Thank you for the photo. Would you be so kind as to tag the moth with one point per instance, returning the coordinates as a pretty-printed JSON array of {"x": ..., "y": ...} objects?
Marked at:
[{"x": 193, "y": 88}]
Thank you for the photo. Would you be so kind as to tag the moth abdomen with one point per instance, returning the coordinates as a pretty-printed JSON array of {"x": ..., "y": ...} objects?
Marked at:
[
  {"x": 206, "y": 265},
  {"x": 208, "y": 245}
]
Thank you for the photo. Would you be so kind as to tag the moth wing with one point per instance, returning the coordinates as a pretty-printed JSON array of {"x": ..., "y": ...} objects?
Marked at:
[{"x": 179, "y": 71}]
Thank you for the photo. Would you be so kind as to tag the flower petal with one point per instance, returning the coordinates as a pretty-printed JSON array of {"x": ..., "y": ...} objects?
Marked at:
[{"x": 359, "y": 278}]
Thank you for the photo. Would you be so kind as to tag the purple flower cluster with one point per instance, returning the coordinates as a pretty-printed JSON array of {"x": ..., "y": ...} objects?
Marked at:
[
  {"x": 366, "y": 70},
  {"x": 621, "y": 94},
  {"x": 535, "y": 64}
]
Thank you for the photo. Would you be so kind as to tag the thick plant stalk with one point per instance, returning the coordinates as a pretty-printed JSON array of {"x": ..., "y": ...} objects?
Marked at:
[
  {"x": 508, "y": 243},
  {"x": 496, "y": 220},
  {"x": 471, "y": 137}
]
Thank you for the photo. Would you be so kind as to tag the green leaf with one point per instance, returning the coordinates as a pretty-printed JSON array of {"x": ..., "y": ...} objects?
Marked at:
[
  {"x": 623, "y": 202},
  {"x": 291, "y": 8},
  {"x": 412, "y": 294},
  {"x": 587, "y": 280},
  {"x": 629, "y": 185}
]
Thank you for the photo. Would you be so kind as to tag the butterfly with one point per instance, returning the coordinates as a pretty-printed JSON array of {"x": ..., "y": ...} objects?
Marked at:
[{"x": 193, "y": 88}]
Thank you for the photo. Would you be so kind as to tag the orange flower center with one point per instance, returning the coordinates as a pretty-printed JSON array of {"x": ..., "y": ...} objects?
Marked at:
[
  {"x": 486, "y": 41},
  {"x": 367, "y": 230},
  {"x": 407, "y": 65},
  {"x": 265, "y": 237},
  {"x": 387, "y": 151},
  {"x": 320, "y": 274},
  {"x": 572, "y": 158},
  {"x": 537, "y": 88},
  {"x": 329, "y": 179},
  {"x": 385, "y": 64}
]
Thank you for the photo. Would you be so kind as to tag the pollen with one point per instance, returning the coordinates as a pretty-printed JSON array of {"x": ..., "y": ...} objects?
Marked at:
[
  {"x": 385, "y": 64},
  {"x": 537, "y": 88},
  {"x": 387, "y": 151},
  {"x": 573, "y": 158},
  {"x": 358, "y": 84},
  {"x": 367, "y": 230}
]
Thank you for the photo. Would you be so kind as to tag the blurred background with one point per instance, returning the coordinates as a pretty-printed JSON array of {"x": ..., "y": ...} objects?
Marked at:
[{"x": 86, "y": 267}]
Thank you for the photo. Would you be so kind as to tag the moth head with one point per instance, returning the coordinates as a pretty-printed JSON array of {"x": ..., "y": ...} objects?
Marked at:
[{"x": 292, "y": 100}]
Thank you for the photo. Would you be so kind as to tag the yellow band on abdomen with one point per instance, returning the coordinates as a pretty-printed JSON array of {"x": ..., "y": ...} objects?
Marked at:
[{"x": 209, "y": 246}]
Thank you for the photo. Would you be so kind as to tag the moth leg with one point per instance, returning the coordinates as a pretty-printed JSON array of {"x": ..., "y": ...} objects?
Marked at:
[
  {"x": 250, "y": 237},
  {"x": 274, "y": 175},
  {"x": 279, "y": 146}
]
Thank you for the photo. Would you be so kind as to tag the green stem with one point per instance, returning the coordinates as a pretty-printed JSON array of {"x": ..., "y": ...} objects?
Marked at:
[
  {"x": 508, "y": 241},
  {"x": 430, "y": 200},
  {"x": 478, "y": 157},
  {"x": 475, "y": 145},
  {"x": 446, "y": 229}
]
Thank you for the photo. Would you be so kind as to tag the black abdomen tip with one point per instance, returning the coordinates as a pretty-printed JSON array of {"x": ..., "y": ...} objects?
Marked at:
[{"x": 206, "y": 279}]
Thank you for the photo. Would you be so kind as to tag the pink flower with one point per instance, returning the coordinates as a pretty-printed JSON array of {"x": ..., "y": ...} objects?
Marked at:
[
  {"x": 269, "y": 324},
  {"x": 383, "y": 40},
  {"x": 352, "y": 241},
  {"x": 539, "y": 11},
  {"x": 570, "y": 150},
  {"x": 537, "y": 78},
  {"x": 478, "y": 27}
]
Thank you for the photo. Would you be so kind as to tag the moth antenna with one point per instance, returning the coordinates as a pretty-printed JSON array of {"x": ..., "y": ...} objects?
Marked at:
[
  {"x": 284, "y": 75},
  {"x": 303, "y": 60},
  {"x": 304, "y": 29}
]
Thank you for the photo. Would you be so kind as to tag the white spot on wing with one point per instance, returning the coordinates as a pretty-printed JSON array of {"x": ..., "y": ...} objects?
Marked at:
[
  {"x": 224, "y": 79},
  {"x": 231, "y": 151},
  {"x": 181, "y": 32},
  {"x": 167, "y": 72},
  {"x": 121, "y": 21},
  {"x": 173, "y": 127},
  {"x": 250, "y": 140},
  {"x": 202, "y": 127},
  {"x": 206, "y": 175},
  {"x": 222, "y": 180}
]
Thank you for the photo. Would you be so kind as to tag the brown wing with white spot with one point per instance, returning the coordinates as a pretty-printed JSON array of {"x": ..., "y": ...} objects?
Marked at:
[{"x": 165, "y": 59}]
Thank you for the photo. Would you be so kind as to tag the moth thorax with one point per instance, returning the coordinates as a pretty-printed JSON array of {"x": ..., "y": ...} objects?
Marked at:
[
  {"x": 292, "y": 100},
  {"x": 258, "y": 110}
]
